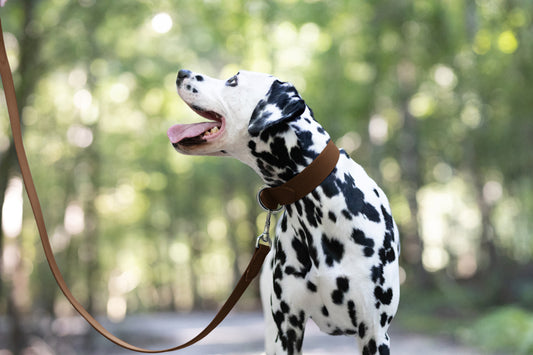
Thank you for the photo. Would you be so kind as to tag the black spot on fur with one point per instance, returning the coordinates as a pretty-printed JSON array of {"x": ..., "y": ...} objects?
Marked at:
[
  {"x": 386, "y": 253},
  {"x": 352, "y": 313},
  {"x": 290, "y": 341},
  {"x": 343, "y": 285},
  {"x": 289, "y": 270},
  {"x": 385, "y": 297},
  {"x": 276, "y": 130},
  {"x": 370, "y": 348},
  {"x": 336, "y": 331},
  {"x": 333, "y": 250},
  {"x": 280, "y": 158},
  {"x": 305, "y": 140},
  {"x": 297, "y": 156},
  {"x": 279, "y": 318},
  {"x": 389, "y": 225},
  {"x": 306, "y": 235},
  {"x": 329, "y": 186},
  {"x": 280, "y": 255},
  {"x": 288, "y": 209},
  {"x": 359, "y": 237},
  {"x": 284, "y": 223},
  {"x": 332, "y": 217},
  {"x": 362, "y": 330},
  {"x": 337, "y": 296},
  {"x": 277, "y": 289},
  {"x": 311, "y": 286},
  {"x": 294, "y": 321},
  {"x": 347, "y": 214},
  {"x": 298, "y": 208},
  {"x": 302, "y": 255},
  {"x": 355, "y": 199},
  {"x": 316, "y": 196},
  {"x": 325, "y": 311},
  {"x": 312, "y": 213},
  {"x": 384, "y": 350},
  {"x": 377, "y": 274},
  {"x": 383, "y": 319}
]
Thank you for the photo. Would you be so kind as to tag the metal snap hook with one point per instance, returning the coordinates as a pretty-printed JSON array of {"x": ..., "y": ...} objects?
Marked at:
[{"x": 264, "y": 238}]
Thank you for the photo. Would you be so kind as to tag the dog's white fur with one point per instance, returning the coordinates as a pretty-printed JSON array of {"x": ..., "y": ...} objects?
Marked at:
[{"x": 236, "y": 104}]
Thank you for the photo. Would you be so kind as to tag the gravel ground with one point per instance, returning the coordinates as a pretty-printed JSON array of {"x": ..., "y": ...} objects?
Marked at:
[{"x": 242, "y": 334}]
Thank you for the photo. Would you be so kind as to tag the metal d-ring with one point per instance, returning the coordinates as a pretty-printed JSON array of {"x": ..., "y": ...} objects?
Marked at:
[{"x": 265, "y": 207}]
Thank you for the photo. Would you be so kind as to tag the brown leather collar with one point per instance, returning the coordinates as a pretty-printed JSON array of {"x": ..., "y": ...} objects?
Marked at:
[{"x": 303, "y": 183}]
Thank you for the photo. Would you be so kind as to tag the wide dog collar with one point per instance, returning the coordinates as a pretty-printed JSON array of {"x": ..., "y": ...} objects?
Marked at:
[{"x": 302, "y": 184}]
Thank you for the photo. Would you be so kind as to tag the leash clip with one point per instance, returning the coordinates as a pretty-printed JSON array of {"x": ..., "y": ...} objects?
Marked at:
[{"x": 264, "y": 238}]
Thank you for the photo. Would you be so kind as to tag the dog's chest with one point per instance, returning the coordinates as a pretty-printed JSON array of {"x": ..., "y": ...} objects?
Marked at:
[{"x": 327, "y": 246}]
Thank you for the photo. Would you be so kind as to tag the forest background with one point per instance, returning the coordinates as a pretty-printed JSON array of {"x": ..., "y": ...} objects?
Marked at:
[{"x": 430, "y": 96}]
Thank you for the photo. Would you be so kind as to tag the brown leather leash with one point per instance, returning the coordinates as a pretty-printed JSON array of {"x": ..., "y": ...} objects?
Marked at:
[{"x": 269, "y": 198}]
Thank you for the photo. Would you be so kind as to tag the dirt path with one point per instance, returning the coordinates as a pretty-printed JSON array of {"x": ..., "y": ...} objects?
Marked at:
[{"x": 242, "y": 334}]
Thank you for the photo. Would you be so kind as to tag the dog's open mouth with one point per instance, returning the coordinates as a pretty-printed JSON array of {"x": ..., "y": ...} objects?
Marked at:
[{"x": 197, "y": 133}]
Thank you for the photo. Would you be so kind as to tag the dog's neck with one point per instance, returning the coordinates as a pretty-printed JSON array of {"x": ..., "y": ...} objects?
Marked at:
[{"x": 284, "y": 150}]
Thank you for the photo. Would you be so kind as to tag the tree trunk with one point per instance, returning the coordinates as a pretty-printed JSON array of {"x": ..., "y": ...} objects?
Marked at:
[
  {"x": 412, "y": 243},
  {"x": 29, "y": 52}
]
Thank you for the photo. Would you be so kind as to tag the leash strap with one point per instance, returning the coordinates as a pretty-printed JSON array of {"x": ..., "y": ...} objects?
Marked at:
[
  {"x": 303, "y": 183},
  {"x": 252, "y": 270}
]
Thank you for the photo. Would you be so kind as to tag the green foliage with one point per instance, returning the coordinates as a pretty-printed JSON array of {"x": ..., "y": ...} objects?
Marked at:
[{"x": 508, "y": 329}]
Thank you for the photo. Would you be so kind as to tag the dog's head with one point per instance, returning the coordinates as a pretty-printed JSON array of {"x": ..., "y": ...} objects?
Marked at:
[{"x": 237, "y": 110}]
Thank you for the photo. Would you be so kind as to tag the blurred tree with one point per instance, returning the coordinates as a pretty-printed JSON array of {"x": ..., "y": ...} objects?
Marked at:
[
  {"x": 27, "y": 62},
  {"x": 431, "y": 97}
]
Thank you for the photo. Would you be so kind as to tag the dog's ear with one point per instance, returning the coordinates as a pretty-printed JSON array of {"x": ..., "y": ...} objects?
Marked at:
[{"x": 282, "y": 102}]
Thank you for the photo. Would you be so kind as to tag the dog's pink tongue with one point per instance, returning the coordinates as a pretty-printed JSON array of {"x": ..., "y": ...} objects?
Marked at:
[{"x": 179, "y": 132}]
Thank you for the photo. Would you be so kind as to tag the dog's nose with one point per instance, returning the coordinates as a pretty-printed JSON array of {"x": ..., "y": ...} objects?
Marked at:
[{"x": 182, "y": 74}]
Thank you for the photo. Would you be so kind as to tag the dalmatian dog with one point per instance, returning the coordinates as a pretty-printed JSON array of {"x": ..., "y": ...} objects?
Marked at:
[{"x": 335, "y": 255}]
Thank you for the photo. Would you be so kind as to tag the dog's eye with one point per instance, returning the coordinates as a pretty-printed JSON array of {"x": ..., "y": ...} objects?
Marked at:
[{"x": 233, "y": 81}]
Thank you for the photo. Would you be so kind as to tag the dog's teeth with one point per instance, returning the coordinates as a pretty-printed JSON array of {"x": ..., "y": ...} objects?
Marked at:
[{"x": 211, "y": 131}]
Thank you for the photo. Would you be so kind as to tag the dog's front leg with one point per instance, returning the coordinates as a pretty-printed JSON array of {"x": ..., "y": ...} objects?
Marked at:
[
  {"x": 290, "y": 327},
  {"x": 271, "y": 330},
  {"x": 284, "y": 319}
]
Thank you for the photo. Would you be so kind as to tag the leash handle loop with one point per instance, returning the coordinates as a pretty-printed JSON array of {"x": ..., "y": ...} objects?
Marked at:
[{"x": 251, "y": 271}]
